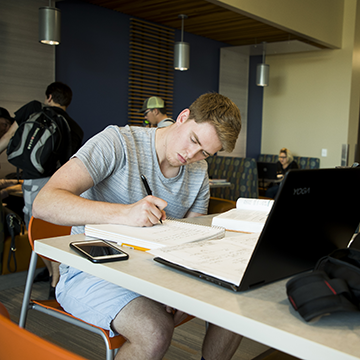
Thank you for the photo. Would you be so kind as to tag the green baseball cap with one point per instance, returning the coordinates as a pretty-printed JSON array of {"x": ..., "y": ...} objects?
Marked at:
[{"x": 153, "y": 102}]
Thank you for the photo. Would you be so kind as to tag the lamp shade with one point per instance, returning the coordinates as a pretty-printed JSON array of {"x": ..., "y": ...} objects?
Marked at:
[
  {"x": 49, "y": 25},
  {"x": 262, "y": 75},
  {"x": 181, "y": 56}
]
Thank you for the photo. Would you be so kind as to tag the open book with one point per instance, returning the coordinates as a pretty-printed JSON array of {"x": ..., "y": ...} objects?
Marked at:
[
  {"x": 249, "y": 215},
  {"x": 170, "y": 232}
]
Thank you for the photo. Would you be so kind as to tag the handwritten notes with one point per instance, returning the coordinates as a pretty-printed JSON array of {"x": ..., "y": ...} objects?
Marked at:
[{"x": 225, "y": 259}]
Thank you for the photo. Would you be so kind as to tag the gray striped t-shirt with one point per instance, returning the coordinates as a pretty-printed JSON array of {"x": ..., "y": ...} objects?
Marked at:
[{"x": 116, "y": 157}]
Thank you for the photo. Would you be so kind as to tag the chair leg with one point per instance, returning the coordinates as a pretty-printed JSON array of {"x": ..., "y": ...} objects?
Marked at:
[
  {"x": 109, "y": 353},
  {"x": 28, "y": 288}
]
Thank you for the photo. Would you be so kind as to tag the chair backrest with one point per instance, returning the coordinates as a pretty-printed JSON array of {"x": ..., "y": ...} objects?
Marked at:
[
  {"x": 15, "y": 342},
  {"x": 303, "y": 161},
  {"x": 40, "y": 229},
  {"x": 240, "y": 172}
]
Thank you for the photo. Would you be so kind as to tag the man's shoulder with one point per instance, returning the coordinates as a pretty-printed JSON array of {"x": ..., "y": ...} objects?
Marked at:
[
  {"x": 165, "y": 122},
  {"x": 22, "y": 114},
  {"x": 74, "y": 126}
]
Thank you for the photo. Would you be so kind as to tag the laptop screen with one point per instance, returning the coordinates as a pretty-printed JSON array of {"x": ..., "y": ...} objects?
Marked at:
[
  {"x": 267, "y": 170},
  {"x": 314, "y": 213}
]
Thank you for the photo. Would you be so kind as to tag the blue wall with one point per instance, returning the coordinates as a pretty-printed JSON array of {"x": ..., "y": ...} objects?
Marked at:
[
  {"x": 203, "y": 75},
  {"x": 93, "y": 60}
]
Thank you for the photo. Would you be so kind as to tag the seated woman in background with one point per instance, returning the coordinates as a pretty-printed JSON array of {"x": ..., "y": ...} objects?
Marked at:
[{"x": 286, "y": 162}]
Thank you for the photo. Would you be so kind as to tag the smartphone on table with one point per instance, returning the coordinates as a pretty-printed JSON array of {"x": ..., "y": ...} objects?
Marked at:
[{"x": 99, "y": 251}]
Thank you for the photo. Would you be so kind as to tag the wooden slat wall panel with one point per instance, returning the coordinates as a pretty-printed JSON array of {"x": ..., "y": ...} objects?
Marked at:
[{"x": 151, "y": 70}]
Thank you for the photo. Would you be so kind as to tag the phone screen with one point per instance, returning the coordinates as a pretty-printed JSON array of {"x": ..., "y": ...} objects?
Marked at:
[{"x": 99, "y": 251}]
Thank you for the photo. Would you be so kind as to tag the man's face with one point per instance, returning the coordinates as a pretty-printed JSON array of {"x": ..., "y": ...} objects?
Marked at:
[
  {"x": 191, "y": 142},
  {"x": 149, "y": 115}
]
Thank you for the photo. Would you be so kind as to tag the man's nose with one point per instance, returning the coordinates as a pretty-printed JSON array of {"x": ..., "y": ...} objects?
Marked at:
[{"x": 193, "y": 151}]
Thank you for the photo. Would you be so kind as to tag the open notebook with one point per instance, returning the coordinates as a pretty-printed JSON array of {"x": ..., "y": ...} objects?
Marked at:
[
  {"x": 313, "y": 214},
  {"x": 170, "y": 232}
]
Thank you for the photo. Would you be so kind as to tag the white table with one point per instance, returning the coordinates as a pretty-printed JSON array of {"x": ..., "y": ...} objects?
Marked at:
[{"x": 262, "y": 314}]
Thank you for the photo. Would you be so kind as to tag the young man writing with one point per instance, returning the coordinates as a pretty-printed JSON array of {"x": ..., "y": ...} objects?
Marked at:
[{"x": 106, "y": 173}]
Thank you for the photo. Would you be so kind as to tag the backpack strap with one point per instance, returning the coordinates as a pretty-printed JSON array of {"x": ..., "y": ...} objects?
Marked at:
[
  {"x": 66, "y": 125},
  {"x": 314, "y": 294}
]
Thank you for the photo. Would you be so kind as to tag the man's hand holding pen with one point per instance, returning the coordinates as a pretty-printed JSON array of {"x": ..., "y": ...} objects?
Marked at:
[
  {"x": 155, "y": 212},
  {"x": 146, "y": 212},
  {"x": 148, "y": 191}
]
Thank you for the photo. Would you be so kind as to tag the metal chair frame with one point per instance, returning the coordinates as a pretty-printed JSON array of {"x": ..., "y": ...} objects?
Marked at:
[{"x": 52, "y": 307}]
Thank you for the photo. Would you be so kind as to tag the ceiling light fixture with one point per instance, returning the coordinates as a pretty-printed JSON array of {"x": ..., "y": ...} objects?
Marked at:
[
  {"x": 49, "y": 25},
  {"x": 182, "y": 50},
  {"x": 262, "y": 71}
]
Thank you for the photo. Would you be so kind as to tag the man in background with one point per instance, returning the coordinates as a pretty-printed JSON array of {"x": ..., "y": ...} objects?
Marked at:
[
  {"x": 154, "y": 110},
  {"x": 58, "y": 96}
]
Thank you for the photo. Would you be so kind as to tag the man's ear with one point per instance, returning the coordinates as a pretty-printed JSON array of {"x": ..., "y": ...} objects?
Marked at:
[
  {"x": 183, "y": 116},
  {"x": 48, "y": 98}
]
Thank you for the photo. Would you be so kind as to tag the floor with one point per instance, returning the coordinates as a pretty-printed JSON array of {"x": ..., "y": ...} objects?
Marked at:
[{"x": 186, "y": 343}]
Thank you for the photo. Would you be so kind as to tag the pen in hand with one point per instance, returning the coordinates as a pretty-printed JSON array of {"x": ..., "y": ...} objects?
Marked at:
[{"x": 147, "y": 188}]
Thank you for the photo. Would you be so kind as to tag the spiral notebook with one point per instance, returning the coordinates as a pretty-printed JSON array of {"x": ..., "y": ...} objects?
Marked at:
[{"x": 170, "y": 232}]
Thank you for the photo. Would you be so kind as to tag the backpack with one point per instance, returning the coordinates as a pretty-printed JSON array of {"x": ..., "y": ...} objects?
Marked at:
[
  {"x": 333, "y": 285},
  {"x": 37, "y": 145}
]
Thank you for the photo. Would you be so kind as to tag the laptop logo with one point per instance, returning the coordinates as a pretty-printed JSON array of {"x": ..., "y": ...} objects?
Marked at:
[{"x": 301, "y": 191}]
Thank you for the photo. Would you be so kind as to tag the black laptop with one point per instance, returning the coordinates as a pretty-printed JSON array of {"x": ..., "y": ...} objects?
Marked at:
[
  {"x": 313, "y": 214},
  {"x": 267, "y": 170}
]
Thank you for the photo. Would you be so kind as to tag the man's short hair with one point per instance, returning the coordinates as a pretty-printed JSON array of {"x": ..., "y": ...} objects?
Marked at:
[
  {"x": 61, "y": 93},
  {"x": 222, "y": 113},
  {"x": 163, "y": 110}
]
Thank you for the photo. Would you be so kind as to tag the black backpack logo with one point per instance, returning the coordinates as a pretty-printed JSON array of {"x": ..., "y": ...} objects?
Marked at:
[{"x": 37, "y": 143}]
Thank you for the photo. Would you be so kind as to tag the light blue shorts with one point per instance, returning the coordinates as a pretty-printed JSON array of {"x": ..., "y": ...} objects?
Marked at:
[{"x": 91, "y": 299}]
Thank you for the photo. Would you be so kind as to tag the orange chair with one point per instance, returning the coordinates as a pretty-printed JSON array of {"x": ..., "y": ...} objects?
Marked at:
[
  {"x": 218, "y": 205},
  {"x": 40, "y": 229},
  {"x": 18, "y": 343}
]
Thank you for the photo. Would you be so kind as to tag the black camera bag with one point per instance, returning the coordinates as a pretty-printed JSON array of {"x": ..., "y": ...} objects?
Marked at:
[{"x": 333, "y": 285}]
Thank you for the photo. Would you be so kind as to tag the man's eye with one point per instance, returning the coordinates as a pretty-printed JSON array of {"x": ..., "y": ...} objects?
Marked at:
[{"x": 193, "y": 140}]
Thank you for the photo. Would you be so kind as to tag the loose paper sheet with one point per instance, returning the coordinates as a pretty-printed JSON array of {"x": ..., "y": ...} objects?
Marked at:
[{"x": 224, "y": 259}]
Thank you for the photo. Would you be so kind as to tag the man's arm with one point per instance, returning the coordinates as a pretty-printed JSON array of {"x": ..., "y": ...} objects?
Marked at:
[
  {"x": 191, "y": 214},
  {"x": 4, "y": 140},
  {"x": 59, "y": 202}
]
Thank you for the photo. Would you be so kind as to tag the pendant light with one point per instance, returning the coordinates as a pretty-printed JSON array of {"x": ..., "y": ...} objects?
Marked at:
[
  {"x": 262, "y": 71},
  {"x": 49, "y": 25},
  {"x": 182, "y": 50}
]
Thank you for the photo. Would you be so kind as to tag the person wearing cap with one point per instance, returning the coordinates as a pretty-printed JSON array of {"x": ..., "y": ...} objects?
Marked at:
[
  {"x": 5, "y": 121},
  {"x": 155, "y": 112}
]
